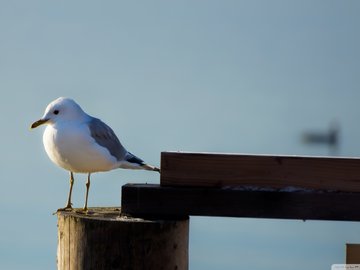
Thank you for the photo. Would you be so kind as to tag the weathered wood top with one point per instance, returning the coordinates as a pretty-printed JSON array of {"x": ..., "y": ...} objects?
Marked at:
[
  {"x": 116, "y": 214},
  {"x": 99, "y": 213},
  {"x": 224, "y": 170}
]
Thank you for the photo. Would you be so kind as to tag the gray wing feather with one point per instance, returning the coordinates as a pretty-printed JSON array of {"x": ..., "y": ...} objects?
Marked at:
[
  {"x": 106, "y": 137},
  {"x": 134, "y": 159}
]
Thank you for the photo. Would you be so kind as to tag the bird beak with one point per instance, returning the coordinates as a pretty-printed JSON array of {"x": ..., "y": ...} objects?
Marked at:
[{"x": 38, "y": 123}]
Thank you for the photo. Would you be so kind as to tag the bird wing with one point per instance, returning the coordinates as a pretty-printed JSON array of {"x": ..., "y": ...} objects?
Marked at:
[{"x": 105, "y": 136}]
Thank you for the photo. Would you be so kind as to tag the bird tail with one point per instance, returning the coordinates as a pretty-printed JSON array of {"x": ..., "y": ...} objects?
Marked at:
[
  {"x": 150, "y": 168},
  {"x": 134, "y": 162}
]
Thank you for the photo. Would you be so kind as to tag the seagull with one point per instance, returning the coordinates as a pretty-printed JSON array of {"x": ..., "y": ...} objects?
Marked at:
[{"x": 80, "y": 143}]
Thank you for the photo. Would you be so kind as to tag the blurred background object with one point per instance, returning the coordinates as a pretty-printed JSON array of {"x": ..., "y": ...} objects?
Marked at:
[{"x": 329, "y": 138}]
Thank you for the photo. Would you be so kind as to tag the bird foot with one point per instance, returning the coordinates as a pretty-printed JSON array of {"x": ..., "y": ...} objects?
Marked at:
[{"x": 66, "y": 208}]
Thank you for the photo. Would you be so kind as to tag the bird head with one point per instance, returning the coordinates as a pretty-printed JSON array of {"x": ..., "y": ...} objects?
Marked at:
[{"x": 61, "y": 109}]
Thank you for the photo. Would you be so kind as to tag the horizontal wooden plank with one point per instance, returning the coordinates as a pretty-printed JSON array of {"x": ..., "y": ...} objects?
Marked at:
[
  {"x": 155, "y": 200},
  {"x": 221, "y": 170}
]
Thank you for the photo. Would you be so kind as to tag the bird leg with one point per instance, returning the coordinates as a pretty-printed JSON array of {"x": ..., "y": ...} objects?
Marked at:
[
  {"x": 69, "y": 204},
  {"x": 87, "y": 192}
]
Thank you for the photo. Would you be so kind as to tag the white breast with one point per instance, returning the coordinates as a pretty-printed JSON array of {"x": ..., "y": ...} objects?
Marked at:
[{"x": 72, "y": 148}]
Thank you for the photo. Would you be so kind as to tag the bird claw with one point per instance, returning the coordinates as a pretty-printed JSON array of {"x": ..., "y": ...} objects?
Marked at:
[{"x": 66, "y": 208}]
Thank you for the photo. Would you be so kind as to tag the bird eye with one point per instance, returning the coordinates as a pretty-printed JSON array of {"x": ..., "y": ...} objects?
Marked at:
[{"x": 56, "y": 112}]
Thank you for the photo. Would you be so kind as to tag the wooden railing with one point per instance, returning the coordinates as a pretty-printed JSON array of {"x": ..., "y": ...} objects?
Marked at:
[
  {"x": 151, "y": 231},
  {"x": 259, "y": 186}
]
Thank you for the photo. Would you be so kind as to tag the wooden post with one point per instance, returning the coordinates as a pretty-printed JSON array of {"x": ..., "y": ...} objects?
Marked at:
[{"x": 104, "y": 239}]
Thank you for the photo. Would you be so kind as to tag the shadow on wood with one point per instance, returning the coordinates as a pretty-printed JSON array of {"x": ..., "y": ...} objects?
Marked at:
[{"x": 104, "y": 239}]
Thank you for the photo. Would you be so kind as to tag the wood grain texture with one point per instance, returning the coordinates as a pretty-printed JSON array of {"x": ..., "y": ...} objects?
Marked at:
[
  {"x": 149, "y": 200},
  {"x": 104, "y": 240},
  {"x": 220, "y": 170}
]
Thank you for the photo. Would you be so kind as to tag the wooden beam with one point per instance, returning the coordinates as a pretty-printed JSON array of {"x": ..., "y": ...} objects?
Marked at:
[
  {"x": 155, "y": 200},
  {"x": 222, "y": 170},
  {"x": 353, "y": 253}
]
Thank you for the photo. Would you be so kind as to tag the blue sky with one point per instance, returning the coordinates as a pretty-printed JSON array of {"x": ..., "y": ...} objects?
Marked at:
[{"x": 222, "y": 76}]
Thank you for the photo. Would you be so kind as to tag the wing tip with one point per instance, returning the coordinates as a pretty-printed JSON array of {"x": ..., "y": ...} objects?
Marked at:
[{"x": 151, "y": 168}]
